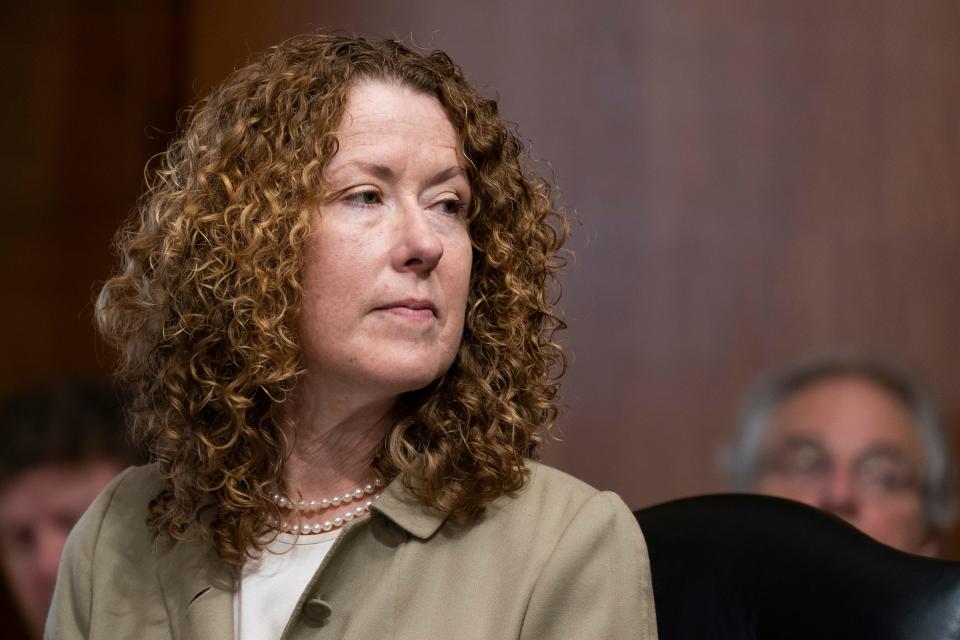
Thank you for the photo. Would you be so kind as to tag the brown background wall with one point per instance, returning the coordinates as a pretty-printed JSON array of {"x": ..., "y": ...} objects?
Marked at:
[
  {"x": 751, "y": 181},
  {"x": 89, "y": 95}
]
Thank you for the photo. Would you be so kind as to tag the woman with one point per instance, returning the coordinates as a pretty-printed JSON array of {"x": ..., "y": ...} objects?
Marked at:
[{"x": 333, "y": 310}]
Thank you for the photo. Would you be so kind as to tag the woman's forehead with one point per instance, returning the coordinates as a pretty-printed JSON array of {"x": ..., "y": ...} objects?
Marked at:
[
  {"x": 374, "y": 105},
  {"x": 388, "y": 125}
]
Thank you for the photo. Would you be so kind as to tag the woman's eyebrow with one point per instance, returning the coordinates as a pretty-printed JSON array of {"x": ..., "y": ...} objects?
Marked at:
[
  {"x": 381, "y": 171},
  {"x": 446, "y": 174}
]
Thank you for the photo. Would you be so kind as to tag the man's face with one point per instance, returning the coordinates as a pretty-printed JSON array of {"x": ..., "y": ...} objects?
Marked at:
[
  {"x": 845, "y": 445},
  {"x": 38, "y": 507}
]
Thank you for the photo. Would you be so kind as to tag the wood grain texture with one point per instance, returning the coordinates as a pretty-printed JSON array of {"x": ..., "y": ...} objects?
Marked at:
[{"x": 94, "y": 95}]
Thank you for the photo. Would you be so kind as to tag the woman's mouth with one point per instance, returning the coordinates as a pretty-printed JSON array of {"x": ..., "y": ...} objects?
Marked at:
[{"x": 416, "y": 309}]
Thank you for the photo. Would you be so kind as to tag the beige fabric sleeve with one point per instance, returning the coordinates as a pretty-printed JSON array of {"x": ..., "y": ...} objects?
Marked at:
[{"x": 597, "y": 582}]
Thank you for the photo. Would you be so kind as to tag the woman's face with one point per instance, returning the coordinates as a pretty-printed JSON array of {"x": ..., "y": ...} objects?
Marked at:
[{"x": 388, "y": 259}]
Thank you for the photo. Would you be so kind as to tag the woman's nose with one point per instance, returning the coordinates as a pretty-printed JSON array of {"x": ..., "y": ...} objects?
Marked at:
[{"x": 418, "y": 246}]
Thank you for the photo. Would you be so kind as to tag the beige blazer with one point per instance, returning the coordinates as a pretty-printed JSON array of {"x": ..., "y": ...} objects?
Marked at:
[{"x": 556, "y": 560}]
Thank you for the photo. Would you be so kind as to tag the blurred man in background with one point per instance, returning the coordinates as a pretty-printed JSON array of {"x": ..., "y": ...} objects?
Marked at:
[
  {"x": 62, "y": 443},
  {"x": 857, "y": 438}
]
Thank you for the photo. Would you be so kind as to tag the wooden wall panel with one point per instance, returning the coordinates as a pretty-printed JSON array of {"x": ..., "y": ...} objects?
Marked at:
[{"x": 92, "y": 93}]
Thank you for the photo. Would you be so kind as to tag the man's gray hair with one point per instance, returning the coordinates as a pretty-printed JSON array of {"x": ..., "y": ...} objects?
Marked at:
[{"x": 773, "y": 390}]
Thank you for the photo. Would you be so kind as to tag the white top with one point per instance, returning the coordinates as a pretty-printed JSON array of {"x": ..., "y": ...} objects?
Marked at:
[{"x": 271, "y": 585}]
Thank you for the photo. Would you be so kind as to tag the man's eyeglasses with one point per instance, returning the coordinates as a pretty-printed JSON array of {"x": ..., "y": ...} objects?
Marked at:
[{"x": 880, "y": 471}]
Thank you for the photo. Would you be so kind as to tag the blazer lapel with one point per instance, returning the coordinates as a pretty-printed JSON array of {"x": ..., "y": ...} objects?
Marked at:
[{"x": 198, "y": 590}]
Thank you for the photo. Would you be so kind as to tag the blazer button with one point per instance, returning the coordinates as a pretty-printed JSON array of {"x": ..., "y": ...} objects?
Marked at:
[{"x": 316, "y": 610}]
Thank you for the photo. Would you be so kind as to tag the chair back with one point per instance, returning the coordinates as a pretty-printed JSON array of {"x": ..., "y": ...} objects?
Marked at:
[{"x": 749, "y": 567}]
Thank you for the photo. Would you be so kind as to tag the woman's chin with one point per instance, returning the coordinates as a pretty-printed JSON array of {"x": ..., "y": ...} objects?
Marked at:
[
  {"x": 413, "y": 381},
  {"x": 405, "y": 370},
  {"x": 392, "y": 379}
]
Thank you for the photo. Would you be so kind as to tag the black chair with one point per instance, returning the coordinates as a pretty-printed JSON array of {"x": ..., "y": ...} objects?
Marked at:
[{"x": 753, "y": 567}]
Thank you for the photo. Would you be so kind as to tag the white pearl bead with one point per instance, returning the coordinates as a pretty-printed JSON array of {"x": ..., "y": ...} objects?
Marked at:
[
  {"x": 327, "y": 526},
  {"x": 347, "y": 497},
  {"x": 335, "y": 501},
  {"x": 368, "y": 504},
  {"x": 338, "y": 521},
  {"x": 376, "y": 497},
  {"x": 368, "y": 488},
  {"x": 313, "y": 505},
  {"x": 316, "y": 527},
  {"x": 325, "y": 503},
  {"x": 358, "y": 511},
  {"x": 295, "y": 529},
  {"x": 378, "y": 482},
  {"x": 357, "y": 494},
  {"x": 348, "y": 516}
]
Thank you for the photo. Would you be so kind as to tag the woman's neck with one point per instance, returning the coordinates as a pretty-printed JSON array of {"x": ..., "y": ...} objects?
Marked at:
[{"x": 332, "y": 440}]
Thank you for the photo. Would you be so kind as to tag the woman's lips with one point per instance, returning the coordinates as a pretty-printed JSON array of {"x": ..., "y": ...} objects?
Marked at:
[{"x": 413, "y": 309}]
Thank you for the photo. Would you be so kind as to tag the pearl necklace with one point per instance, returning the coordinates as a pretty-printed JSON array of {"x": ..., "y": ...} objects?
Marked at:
[
  {"x": 306, "y": 506},
  {"x": 301, "y": 507}
]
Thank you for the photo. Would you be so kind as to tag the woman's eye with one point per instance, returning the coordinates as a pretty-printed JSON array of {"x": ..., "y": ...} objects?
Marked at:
[
  {"x": 451, "y": 207},
  {"x": 364, "y": 198}
]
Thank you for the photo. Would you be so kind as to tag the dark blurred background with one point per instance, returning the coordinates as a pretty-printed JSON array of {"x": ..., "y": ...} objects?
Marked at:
[{"x": 750, "y": 182}]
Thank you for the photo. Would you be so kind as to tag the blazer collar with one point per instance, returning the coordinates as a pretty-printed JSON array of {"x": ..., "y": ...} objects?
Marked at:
[{"x": 407, "y": 512}]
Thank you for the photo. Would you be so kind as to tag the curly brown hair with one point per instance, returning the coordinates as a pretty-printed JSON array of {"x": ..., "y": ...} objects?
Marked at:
[{"x": 204, "y": 307}]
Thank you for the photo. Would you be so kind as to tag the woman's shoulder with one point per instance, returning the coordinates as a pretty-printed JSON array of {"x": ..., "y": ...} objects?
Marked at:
[
  {"x": 552, "y": 489},
  {"x": 547, "y": 482},
  {"x": 110, "y": 553},
  {"x": 552, "y": 502},
  {"x": 136, "y": 481},
  {"x": 572, "y": 555},
  {"x": 125, "y": 501},
  {"x": 117, "y": 518},
  {"x": 588, "y": 549}
]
